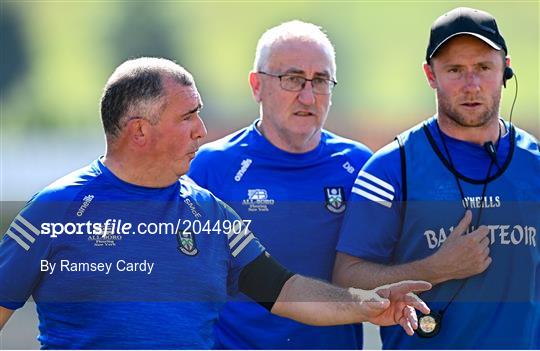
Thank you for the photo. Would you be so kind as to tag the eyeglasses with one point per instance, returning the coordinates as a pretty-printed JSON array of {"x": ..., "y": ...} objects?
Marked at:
[{"x": 291, "y": 82}]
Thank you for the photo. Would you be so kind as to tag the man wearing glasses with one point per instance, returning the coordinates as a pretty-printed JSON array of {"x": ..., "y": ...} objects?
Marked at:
[
  {"x": 78, "y": 271},
  {"x": 290, "y": 177}
]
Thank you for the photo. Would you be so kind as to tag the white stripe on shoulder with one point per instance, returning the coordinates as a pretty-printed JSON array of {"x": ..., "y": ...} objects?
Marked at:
[
  {"x": 236, "y": 228},
  {"x": 368, "y": 186},
  {"x": 28, "y": 224},
  {"x": 18, "y": 240},
  {"x": 243, "y": 244},
  {"x": 376, "y": 180},
  {"x": 372, "y": 197},
  {"x": 238, "y": 237},
  {"x": 23, "y": 232}
]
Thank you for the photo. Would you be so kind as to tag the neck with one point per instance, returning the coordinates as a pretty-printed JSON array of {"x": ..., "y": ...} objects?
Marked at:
[
  {"x": 135, "y": 171},
  {"x": 477, "y": 135},
  {"x": 293, "y": 143}
]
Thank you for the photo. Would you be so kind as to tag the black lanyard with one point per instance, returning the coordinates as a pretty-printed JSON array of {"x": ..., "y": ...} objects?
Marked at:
[{"x": 485, "y": 182}]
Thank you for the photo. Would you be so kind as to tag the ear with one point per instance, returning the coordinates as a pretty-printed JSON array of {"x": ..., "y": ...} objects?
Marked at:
[
  {"x": 430, "y": 75},
  {"x": 255, "y": 83},
  {"x": 136, "y": 130},
  {"x": 507, "y": 61}
]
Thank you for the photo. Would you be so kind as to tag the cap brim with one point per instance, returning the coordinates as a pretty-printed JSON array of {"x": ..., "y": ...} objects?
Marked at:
[{"x": 481, "y": 37}]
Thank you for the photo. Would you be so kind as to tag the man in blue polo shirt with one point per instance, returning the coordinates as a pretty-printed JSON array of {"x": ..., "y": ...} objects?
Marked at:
[
  {"x": 122, "y": 254},
  {"x": 291, "y": 177},
  {"x": 466, "y": 165}
]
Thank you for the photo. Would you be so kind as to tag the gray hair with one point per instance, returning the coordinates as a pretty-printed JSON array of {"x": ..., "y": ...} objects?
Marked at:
[
  {"x": 135, "y": 89},
  {"x": 292, "y": 30}
]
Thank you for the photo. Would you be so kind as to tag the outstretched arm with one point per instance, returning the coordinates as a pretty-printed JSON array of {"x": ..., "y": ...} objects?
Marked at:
[{"x": 317, "y": 303}]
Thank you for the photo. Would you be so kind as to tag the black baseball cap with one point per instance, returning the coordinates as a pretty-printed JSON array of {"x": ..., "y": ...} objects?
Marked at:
[{"x": 464, "y": 20}]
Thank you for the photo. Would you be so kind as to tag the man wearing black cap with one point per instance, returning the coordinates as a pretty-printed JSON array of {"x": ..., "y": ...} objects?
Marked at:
[{"x": 463, "y": 163}]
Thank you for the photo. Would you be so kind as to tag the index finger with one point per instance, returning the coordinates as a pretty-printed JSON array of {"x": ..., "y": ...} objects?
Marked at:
[
  {"x": 407, "y": 286},
  {"x": 417, "y": 303},
  {"x": 462, "y": 225}
]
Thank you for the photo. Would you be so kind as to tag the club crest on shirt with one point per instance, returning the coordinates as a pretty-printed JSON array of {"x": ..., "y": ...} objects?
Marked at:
[
  {"x": 258, "y": 200},
  {"x": 186, "y": 243},
  {"x": 335, "y": 198}
]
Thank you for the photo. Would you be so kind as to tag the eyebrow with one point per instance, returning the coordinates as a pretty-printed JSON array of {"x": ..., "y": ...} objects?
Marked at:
[
  {"x": 486, "y": 63},
  {"x": 293, "y": 70},
  {"x": 483, "y": 63},
  {"x": 199, "y": 106}
]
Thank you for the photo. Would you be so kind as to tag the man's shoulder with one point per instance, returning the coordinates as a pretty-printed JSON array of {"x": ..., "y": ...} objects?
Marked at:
[
  {"x": 338, "y": 142},
  {"x": 386, "y": 157},
  {"x": 383, "y": 170},
  {"x": 407, "y": 134},
  {"x": 527, "y": 142},
  {"x": 231, "y": 143},
  {"x": 220, "y": 153},
  {"x": 189, "y": 189},
  {"x": 355, "y": 152},
  {"x": 55, "y": 199},
  {"x": 197, "y": 197},
  {"x": 69, "y": 186},
  {"x": 215, "y": 158}
]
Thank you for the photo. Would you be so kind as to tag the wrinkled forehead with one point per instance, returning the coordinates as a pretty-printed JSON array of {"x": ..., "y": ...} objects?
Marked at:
[
  {"x": 187, "y": 95},
  {"x": 301, "y": 56}
]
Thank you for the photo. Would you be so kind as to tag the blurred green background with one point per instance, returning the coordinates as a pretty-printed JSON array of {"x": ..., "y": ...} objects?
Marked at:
[{"x": 56, "y": 56}]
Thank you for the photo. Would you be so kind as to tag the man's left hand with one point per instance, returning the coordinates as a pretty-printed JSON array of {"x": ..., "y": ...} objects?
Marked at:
[{"x": 395, "y": 304}]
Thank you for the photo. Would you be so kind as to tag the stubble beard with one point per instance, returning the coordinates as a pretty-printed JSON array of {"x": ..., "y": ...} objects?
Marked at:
[{"x": 446, "y": 108}]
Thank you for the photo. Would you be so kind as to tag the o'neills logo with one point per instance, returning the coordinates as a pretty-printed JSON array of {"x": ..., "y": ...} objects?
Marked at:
[
  {"x": 86, "y": 202},
  {"x": 482, "y": 202},
  {"x": 243, "y": 168}
]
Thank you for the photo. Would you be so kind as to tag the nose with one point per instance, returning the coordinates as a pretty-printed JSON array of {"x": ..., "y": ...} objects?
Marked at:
[
  {"x": 199, "y": 131},
  {"x": 472, "y": 80},
  {"x": 306, "y": 96}
]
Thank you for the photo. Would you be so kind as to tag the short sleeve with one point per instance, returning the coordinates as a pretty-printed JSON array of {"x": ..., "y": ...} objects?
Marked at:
[
  {"x": 23, "y": 248},
  {"x": 371, "y": 225},
  {"x": 243, "y": 246}
]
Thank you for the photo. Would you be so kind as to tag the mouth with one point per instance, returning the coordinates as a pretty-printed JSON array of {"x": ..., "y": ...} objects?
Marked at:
[
  {"x": 304, "y": 114},
  {"x": 472, "y": 104}
]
